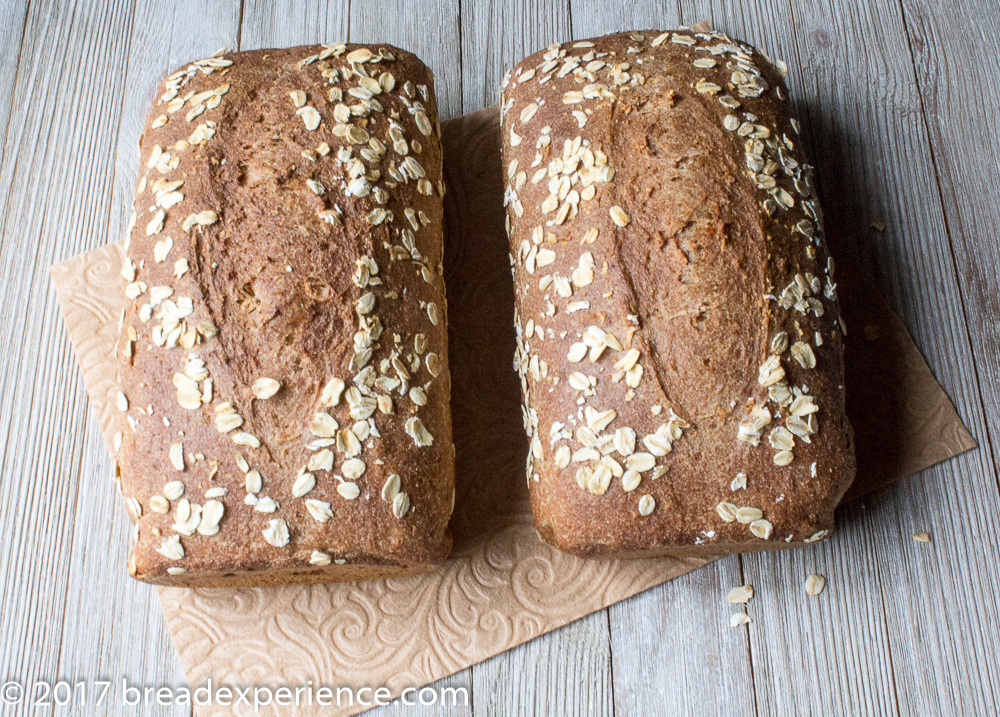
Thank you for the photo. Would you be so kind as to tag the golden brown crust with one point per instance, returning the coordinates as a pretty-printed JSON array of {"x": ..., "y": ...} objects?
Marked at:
[
  {"x": 661, "y": 216},
  {"x": 288, "y": 232}
]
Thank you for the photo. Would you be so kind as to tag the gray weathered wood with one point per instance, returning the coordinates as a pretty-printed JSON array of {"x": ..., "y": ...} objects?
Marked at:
[
  {"x": 864, "y": 82},
  {"x": 495, "y": 36},
  {"x": 297, "y": 22},
  {"x": 863, "y": 118},
  {"x": 958, "y": 94},
  {"x": 566, "y": 672},
  {"x": 427, "y": 28},
  {"x": 56, "y": 170},
  {"x": 112, "y": 625},
  {"x": 959, "y": 100},
  {"x": 592, "y": 17},
  {"x": 11, "y": 32},
  {"x": 669, "y": 639},
  {"x": 896, "y": 105}
]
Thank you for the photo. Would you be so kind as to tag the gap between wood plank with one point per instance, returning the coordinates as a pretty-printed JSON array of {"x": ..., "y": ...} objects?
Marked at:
[
  {"x": 461, "y": 62},
  {"x": 749, "y": 644},
  {"x": 948, "y": 232},
  {"x": 949, "y": 266},
  {"x": 888, "y": 643},
  {"x": 611, "y": 647},
  {"x": 17, "y": 73},
  {"x": 239, "y": 25},
  {"x": 797, "y": 45},
  {"x": 88, "y": 422},
  {"x": 739, "y": 558}
]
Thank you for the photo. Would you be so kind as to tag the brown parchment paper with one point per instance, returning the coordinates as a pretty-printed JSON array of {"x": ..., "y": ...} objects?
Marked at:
[{"x": 502, "y": 586}]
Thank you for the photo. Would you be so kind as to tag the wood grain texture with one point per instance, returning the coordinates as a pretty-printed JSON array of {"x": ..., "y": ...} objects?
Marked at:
[
  {"x": 431, "y": 29},
  {"x": 496, "y": 36},
  {"x": 56, "y": 170},
  {"x": 668, "y": 640},
  {"x": 11, "y": 33},
  {"x": 959, "y": 100},
  {"x": 592, "y": 17},
  {"x": 895, "y": 104},
  {"x": 528, "y": 680},
  {"x": 958, "y": 96},
  {"x": 677, "y": 634},
  {"x": 107, "y": 608},
  {"x": 863, "y": 119},
  {"x": 296, "y": 22}
]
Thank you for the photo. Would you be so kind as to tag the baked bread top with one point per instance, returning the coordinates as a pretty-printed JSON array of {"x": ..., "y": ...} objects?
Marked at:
[
  {"x": 283, "y": 359},
  {"x": 678, "y": 330}
]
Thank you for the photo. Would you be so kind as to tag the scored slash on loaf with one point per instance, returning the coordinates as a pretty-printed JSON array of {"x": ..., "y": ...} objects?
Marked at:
[
  {"x": 679, "y": 339},
  {"x": 283, "y": 373}
]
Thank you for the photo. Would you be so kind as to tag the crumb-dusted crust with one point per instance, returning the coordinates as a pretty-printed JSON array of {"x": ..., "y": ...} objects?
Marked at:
[
  {"x": 678, "y": 331},
  {"x": 283, "y": 355}
]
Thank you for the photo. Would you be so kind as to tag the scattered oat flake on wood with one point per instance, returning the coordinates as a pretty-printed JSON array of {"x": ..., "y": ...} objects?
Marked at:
[
  {"x": 878, "y": 226},
  {"x": 921, "y": 537},
  {"x": 815, "y": 584},
  {"x": 739, "y": 618},
  {"x": 740, "y": 595}
]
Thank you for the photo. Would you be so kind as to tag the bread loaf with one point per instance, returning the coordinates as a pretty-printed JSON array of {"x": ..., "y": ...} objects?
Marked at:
[
  {"x": 679, "y": 339},
  {"x": 283, "y": 365}
]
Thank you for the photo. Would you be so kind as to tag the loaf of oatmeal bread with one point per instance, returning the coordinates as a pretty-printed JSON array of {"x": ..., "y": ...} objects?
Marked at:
[
  {"x": 679, "y": 338},
  {"x": 283, "y": 367}
]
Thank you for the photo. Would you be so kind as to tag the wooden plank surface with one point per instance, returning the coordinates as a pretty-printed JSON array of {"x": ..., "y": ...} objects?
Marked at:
[
  {"x": 674, "y": 652},
  {"x": 894, "y": 101},
  {"x": 114, "y": 611},
  {"x": 56, "y": 178},
  {"x": 429, "y": 28},
  {"x": 11, "y": 32},
  {"x": 958, "y": 98},
  {"x": 565, "y": 672},
  {"x": 678, "y": 634},
  {"x": 495, "y": 37},
  {"x": 871, "y": 146},
  {"x": 296, "y": 22}
]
